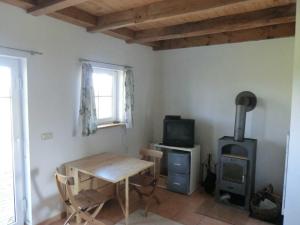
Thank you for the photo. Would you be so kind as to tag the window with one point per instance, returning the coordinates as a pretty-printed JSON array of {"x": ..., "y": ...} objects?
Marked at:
[{"x": 109, "y": 94}]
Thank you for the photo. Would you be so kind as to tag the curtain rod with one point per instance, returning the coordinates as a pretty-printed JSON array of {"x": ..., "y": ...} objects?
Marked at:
[
  {"x": 111, "y": 64},
  {"x": 31, "y": 52}
]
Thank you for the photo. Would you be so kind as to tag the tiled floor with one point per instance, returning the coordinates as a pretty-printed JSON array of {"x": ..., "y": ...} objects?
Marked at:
[{"x": 177, "y": 207}]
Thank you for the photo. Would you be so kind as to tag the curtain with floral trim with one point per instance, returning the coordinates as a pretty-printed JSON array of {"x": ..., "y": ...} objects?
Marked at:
[
  {"x": 87, "y": 101},
  {"x": 129, "y": 97}
]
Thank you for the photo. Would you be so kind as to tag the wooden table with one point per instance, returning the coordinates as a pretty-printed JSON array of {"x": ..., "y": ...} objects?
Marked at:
[{"x": 110, "y": 167}]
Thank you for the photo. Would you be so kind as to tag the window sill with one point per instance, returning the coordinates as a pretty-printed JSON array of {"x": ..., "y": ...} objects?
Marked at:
[{"x": 109, "y": 125}]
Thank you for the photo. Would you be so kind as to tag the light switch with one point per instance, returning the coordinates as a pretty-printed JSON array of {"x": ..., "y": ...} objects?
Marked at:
[{"x": 47, "y": 136}]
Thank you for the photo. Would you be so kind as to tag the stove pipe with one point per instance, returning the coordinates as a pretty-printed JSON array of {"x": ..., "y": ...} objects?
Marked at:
[
  {"x": 240, "y": 123},
  {"x": 245, "y": 102}
]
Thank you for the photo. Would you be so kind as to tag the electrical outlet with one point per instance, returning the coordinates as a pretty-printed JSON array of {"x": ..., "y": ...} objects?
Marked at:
[{"x": 47, "y": 136}]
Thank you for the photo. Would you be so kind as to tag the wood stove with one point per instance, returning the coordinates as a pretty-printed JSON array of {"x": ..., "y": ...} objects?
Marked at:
[{"x": 237, "y": 158}]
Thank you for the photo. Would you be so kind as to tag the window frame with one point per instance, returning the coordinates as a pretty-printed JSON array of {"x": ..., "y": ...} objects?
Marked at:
[{"x": 116, "y": 94}]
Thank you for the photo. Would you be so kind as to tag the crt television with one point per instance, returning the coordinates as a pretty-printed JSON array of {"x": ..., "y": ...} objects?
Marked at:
[{"x": 178, "y": 132}]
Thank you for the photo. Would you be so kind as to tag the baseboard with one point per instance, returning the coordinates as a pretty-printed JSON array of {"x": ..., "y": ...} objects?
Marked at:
[{"x": 54, "y": 219}]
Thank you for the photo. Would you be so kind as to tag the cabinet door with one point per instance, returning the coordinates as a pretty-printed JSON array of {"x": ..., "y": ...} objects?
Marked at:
[
  {"x": 233, "y": 174},
  {"x": 179, "y": 182},
  {"x": 179, "y": 162}
]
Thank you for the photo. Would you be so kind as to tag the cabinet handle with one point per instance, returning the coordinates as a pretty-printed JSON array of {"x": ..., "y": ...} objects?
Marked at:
[
  {"x": 176, "y": 183},
  {"x": 243, "y": 179},
  {"x": 177, "y": 164}
]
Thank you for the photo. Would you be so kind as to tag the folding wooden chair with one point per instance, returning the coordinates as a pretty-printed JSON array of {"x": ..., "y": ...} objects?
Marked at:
[
  {"x": 145, "y": 183},
  {"x": 82, "y": 203}
]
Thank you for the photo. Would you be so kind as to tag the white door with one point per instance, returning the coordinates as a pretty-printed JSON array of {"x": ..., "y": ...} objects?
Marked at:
[{"x": 11, "y": 148}]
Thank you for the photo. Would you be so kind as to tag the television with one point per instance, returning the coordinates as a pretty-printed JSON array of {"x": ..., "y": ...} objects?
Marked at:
[{"x": 178, "y": 132}]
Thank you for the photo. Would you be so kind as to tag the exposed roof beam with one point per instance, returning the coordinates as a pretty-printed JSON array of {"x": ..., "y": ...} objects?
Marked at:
[
  {"x": 50, "y": 6},
  {"x": 269, "y": 32},
  {"x": 173, "y": 8},
  {"x": 25, "y": 4},
  {"x": 75, "y": 16},
  {"x": 266, "y": 17},
  {"x": 71, "y": 14},
  {"x": 122, "y": 33},
  {"x": 82, "y": 18},
  {"x": 127, "y": 35}
]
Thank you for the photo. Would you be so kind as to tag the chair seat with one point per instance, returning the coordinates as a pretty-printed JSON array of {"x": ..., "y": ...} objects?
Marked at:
[
  {"x": 90, "y": 198},
  {"x": 142, "y": 180}
]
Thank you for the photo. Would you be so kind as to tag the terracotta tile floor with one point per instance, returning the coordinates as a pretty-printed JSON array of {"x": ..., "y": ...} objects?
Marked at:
[{"x": 177, "y": 207}]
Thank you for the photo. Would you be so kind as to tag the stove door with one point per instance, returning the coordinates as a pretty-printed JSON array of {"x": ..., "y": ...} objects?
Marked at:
[{"x": 233, "y": 172}]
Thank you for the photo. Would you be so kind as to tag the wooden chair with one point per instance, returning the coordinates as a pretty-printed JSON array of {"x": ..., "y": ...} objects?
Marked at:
[
  {"x": 145, "y": 183},
  {"x": 82, "y": 203}
]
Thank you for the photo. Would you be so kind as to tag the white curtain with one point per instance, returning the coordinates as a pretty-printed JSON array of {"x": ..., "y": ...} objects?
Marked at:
[
  {"x": 87, "y": 101},
  {"x": 129, "y": 98}
]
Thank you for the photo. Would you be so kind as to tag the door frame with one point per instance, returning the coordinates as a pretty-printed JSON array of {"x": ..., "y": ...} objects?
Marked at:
[{"x": 20, "y": 113}]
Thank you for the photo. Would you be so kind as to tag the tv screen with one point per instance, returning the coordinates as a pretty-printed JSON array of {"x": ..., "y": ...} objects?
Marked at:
[{"x": 179, "y": 132}]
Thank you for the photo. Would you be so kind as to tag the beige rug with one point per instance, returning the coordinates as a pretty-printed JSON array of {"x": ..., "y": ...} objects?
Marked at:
[
  {"x": 138, "y": 217},
  {"x": 222, "y": 212}
]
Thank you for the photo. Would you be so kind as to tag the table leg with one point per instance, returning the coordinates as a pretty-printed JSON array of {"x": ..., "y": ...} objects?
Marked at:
[
  {"x": 126, "y": 200},
  {"x": 125, "y": 209},
  {"x": 119, "y": 198}
]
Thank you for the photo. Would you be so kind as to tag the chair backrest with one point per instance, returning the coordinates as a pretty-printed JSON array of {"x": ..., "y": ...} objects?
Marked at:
[
  {"x": 64, "y": 184},
  {"x": 153, "y": 156}
]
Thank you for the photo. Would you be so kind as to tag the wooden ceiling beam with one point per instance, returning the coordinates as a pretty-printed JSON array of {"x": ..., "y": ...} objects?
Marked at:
[
  {"x": 127, "y": 35},
  {"x": 75, "y": 16},
  {"x": 121, "y": 33},
  {"x": 81, "y": 18},
  {"x": 269, "y": 32},
  {"x": 24, "y": 4},
  {"x": 71, "y": 14},
  {"x": 51, "y": 6},
  {"x": 84, "y": 19},
  {"x": 266, "y": 17},
  {"x": 173, "y": 8}
]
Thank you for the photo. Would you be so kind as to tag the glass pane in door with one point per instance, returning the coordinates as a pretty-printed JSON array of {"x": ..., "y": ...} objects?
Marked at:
[{"x": 7, "y": 184}]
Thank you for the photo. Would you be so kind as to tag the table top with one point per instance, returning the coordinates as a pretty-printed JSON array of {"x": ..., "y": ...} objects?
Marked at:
[{"x": 109, "y": 166}]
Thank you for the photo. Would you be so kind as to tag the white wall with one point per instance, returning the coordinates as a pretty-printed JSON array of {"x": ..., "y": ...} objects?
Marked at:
[
  {"x": 53, "y": 80},
  {"x": 202, "y": 83},
  {"x": 292, "y": 205}
]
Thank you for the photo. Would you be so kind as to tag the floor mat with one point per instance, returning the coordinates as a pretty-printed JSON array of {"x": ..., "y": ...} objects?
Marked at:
[{"x": 138, "y": 217}]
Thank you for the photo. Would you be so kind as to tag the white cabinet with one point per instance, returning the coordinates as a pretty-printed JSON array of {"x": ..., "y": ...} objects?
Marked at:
[{"x": 194, "y": 181}]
